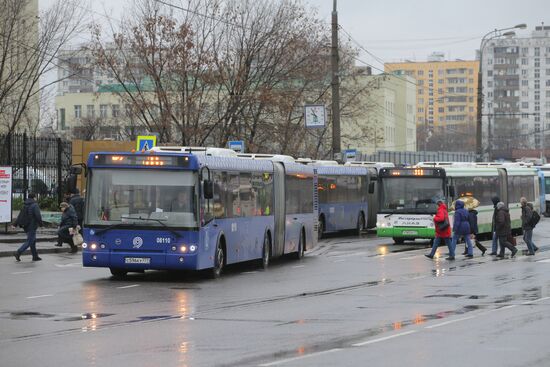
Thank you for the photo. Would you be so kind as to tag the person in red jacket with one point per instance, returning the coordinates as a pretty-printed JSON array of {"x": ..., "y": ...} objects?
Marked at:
[{"x": 442, "y": 230}]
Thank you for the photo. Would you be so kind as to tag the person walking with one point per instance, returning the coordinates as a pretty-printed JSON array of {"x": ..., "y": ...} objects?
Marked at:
[
  {"x": 472, "y": 219},
  {"x": 494, "y": 245},
  {"x": 29, "y": 219},
  {"x": 77, "y": 202},
  {"x": 442, "y": 230},
  {"x": 461, "y": 228},
  {"x": 503, "y": 229},
  {"x": 527, "y": 226},
  {"x": 67, "y": 226}
]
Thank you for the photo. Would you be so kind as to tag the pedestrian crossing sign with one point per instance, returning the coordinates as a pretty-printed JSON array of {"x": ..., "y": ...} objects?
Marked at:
[{"x": 146, "y": 142}]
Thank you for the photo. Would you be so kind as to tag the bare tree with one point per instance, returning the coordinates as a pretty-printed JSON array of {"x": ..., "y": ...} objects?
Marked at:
[{"x": 29, "y": 45}]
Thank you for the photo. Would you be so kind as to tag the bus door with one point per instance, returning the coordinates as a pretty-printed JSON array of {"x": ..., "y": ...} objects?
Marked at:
[
  {"x": 503, "y": 185},
  {"x": 372, "y": 198},
  {"x": 279, "y": 208}
]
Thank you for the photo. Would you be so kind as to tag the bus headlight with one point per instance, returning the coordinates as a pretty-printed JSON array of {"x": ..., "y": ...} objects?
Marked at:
[
  {"x": 84, "y": 245},
  {"x": 183, "y": 248},
  {"x": 93, "y": 246},
  {"x": 192, "y": 248}
]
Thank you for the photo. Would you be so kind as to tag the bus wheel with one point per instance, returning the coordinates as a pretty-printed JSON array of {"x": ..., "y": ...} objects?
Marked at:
[
  {"x": 321, "y": 228},
  {"x": 300, "y": 253},
  {"x": 219, "y": 259},
  {"x": 118, "y": 273},
  {"x": 266, "y": 252},
  {"x": 360, "y": 224},
  {"x": 398, "y": 241}
]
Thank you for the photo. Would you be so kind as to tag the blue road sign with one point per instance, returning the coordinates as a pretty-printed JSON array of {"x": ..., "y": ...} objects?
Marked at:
[
  {"x": 146, "y": 142},
  {"x": 236, "y": 145}
]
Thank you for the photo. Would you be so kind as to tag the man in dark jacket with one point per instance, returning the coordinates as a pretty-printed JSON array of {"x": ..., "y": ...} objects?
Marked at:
[
  {"x": 526, "y": 216},
  {"x": 67, "y": 226},
  {"x": 494, "y": 247},
  {"x": 30, "y": 219},
  {"x": 77, "y": 202},
  {"x": 461, "y": 228},
  {"x": 472, "y": 218},
  {"x": 503, "y": 229}
]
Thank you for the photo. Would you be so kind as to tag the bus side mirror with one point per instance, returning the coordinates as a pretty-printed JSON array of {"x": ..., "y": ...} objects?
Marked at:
[
  {"x": 371, "y": 187},
  {"x": 75, "y": 170},
  {"x": 451, "y": 190},
  {"x": 208, "y": 189}
]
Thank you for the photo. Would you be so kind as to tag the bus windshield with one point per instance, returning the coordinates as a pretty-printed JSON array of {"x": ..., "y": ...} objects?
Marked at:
[
  {"x": 410, "y": 194},
  {"x": 142, "y": 197}
]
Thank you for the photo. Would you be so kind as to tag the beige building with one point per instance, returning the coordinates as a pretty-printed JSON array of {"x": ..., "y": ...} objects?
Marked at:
[
  {"x": 386, "y": 119},
  {"x": 95, "y": 115},
  {"x": 446, "y": 98}
]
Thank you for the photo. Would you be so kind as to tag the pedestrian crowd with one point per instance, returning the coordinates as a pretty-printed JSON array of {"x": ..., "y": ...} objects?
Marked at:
[{"x": 465, "y": 227}]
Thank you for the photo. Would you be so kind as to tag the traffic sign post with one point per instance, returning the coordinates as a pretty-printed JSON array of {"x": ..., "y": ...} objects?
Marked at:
[
  {"x": 146, "y": 142},
  {"x": 236, "y": 145}
]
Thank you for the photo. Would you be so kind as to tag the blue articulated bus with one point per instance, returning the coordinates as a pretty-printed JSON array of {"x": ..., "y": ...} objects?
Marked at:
[
  {"x": 343, "y": 198},
  {"x": 185, "y": 211}
]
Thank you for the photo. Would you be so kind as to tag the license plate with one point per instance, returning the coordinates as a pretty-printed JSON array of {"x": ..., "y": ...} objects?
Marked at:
[
  {"x": 137, "y": 260},
  {"x": 410, "y": 232}
]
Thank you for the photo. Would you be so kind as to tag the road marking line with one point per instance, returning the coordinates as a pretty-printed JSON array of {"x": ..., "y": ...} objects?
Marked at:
[
  {"x": 505, "y": 308},
  {"x": 283, "y": 361},
  {"x": 68, "y": 265},
  {"x": 43, "y": 295},
  {"x": 298, "y": 266},
  {"x": 249, "y": 272},
  {"x": 22, "y": 272},
  {"x": 129, "y": 286},
  {"x": 449, "y": 322},
  {"x": 536, "y": 300},
  {"x": 383, "y": 339},
  {"x": 543, "y": 261}
]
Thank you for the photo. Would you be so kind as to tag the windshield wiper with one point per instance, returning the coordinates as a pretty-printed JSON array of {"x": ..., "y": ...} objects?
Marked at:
[
  {"x": 158, "y": 221},
  {"x": 103, "y": 230}
]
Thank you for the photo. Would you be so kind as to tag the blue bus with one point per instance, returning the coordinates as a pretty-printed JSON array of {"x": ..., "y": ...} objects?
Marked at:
[
  {"x": 184, "y": 210},
  {"x": 343, "y": 198}
]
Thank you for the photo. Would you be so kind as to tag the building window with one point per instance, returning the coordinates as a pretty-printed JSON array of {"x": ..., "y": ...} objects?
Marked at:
[
  {"x": 525, "y": 105},
  {"x": 420, "y": 72},
  {"x": 525, "y": 83},
  {"x": 524, "y": 61},
  {"x": 62, "y": 118},
  {"x": 103, "y": 110},
  {"x": 90, "y": 111},
  {"x": 77, "y": 111},
  {"x": 116, "y": 110},
  {"x": 537, "y": 51},
  {"x": 524, "y": 72},
  {"x": 420, "y": 91}
]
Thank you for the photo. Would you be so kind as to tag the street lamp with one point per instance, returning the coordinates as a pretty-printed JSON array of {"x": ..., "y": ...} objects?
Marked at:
[{"x": 486, "y": 38}]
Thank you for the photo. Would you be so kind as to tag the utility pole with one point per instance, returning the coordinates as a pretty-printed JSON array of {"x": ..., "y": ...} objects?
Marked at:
[
  {"x": 479, "y": 151},
  {"x": 336, "y": 149}
]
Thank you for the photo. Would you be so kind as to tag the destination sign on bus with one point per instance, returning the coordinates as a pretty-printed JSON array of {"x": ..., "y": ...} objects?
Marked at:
[
  {"x": 397, "y": 172},
  {"x": 149, "y": 160}
]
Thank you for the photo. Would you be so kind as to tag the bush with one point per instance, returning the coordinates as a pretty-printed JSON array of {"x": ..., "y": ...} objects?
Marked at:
[
  {"x": 17, "y": 203},
  {"x": 48, "y": 203}
]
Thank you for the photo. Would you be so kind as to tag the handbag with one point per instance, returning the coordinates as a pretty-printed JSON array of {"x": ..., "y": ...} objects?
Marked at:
[
  {"x": 512, "y": 240},
  {"x": 443, "y": 225},
  {"x": 77, "y": 239}
]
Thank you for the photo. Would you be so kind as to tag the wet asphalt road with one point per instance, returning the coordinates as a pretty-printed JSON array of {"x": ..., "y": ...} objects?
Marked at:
[{"x": 352, "y": 301}]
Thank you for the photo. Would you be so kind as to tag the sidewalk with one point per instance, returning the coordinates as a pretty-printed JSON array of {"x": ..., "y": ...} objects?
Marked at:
[{"x": 46, "y": 238}]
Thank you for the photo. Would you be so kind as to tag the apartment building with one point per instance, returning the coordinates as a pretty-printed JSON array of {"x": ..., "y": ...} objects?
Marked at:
[
  {"x": 446, "y": 104},
  {"x": 516, "y": 88},
  {"x": 386, "y": 118}
]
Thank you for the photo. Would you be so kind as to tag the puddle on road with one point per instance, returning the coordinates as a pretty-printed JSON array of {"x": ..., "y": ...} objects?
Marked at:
[{"x": 455, "y": 296}]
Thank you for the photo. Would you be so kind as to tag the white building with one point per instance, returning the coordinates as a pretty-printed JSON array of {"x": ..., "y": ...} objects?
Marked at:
[{"x": 516, "y": 89}]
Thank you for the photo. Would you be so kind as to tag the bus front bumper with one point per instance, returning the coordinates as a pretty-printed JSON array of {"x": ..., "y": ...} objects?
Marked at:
[
  {"x": 139, "y": 261},
  {"x": 406, "y": 232}
]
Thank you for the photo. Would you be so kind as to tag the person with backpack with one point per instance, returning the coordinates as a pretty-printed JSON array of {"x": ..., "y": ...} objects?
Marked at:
[
  {"x": 442, "y": 230},
  {"x": 77, "y": 202},
  {"x": 529, "y": 219},
  {"x": 29, "y": 219}
]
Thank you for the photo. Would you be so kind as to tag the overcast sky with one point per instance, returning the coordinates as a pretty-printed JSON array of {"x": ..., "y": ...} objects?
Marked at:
[{"x": 395, "y": 30}]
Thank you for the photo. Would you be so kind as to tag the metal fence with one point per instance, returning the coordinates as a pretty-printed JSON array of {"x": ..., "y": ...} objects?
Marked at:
[
  {"x": 415, "y": 157},
  {"x": 39, "y": 164}
]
